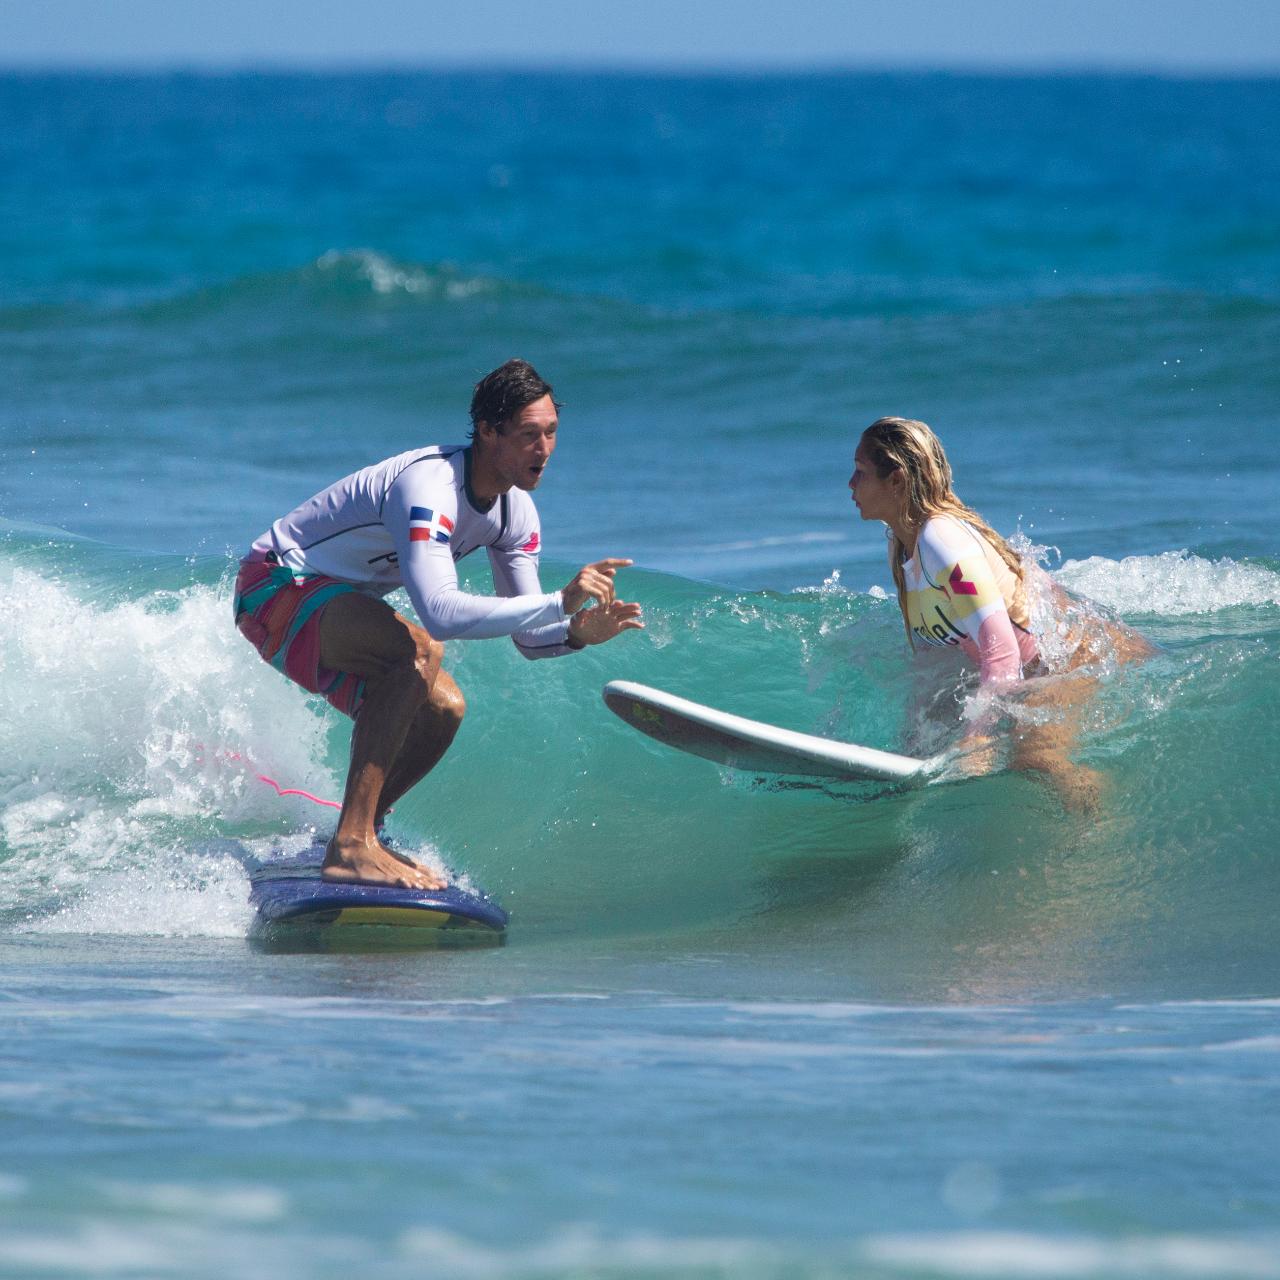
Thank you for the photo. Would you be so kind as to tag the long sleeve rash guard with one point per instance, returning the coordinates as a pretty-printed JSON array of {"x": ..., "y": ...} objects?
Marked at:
[
  {"x": 959, "y": 592},
  {"x": 406, "y": 522}
]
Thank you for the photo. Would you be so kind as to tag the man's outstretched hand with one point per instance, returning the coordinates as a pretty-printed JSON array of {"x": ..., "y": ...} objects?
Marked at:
[
  {"x": 595, "y": 626},
  {"x": 611, "y": 616},
  {"x": 592, "y": 582}
]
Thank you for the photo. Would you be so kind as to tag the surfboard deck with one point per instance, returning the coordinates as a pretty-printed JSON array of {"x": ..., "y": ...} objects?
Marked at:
[
  {"x": 291, "y": 897},
  {"x": 754, "y": 745}
]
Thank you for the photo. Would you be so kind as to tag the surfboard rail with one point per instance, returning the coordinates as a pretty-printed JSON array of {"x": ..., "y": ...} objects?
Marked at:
[
  {"x": 754, "y": 745},
  {"x": 290, "y": 895}
]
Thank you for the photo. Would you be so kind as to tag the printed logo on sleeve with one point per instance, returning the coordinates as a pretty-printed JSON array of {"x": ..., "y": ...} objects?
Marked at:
[
  {"x": 426, "y": 525},
  {"x": 960, "y": 585},
  {"x": 533, "y": 544}
]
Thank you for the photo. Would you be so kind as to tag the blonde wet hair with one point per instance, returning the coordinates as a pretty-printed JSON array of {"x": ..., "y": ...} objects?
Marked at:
[{"x": 909, "y": 446}]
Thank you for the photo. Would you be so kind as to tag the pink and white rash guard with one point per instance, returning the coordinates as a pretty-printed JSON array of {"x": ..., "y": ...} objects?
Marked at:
[
  {"x": 959, "y": 591},
  {"x": 405, "y": 522}
]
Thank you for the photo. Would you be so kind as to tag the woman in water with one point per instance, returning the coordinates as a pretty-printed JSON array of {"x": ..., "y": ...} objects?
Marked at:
[{"x": 961, "y": 585}]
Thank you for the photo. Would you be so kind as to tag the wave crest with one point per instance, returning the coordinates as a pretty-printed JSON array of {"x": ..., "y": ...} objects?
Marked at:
[
  {"x": 384, "y": 276},
  {"x": 1173, "y": 584}
]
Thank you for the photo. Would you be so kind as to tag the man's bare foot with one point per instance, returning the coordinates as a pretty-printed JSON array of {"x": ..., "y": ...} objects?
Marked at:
[{"x": 358, "y": 862}]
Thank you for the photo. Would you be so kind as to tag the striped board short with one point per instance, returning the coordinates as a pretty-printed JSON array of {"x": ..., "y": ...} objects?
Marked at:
[{"x": 278, "y": 612}]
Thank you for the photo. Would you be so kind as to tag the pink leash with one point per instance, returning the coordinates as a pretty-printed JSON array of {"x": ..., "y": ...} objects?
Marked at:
[
  {"x": 293, "y": 791},
  {"x": 271, "y": 782}
]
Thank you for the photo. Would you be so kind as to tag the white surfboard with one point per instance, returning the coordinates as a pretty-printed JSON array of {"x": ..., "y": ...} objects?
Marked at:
[{"x": 751, "y": 744}]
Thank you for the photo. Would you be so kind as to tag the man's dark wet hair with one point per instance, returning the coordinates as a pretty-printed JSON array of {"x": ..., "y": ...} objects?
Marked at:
[{"x": 504, "y": 392}]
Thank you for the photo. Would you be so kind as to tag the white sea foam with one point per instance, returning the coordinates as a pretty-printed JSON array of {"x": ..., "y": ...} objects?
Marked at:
[
  {"x": 240, "y": 1203},
  {"x": 585, "y": 1251},
  {"x": 258, "y": 1250},
  {"x": 990, "y": 1254},
  {"x": 128, "y": 733},
  {"x": 192, "y": 897},
  {"x": 364, "y": 1008},
  {"x": 1245, "y": 1002},
  {"x": 1173, "y": 584},
  {"x": 839, "y": 1010},
  {"x": 1248, "y": 1044},
  {"x": 99, "y": 1249},
  {"x": 184, "y": 1245},
  {"x": 385, "y": 276}
]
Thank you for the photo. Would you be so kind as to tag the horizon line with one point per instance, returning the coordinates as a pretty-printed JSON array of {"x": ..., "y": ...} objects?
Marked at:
[{"x": 376, "y": 64}]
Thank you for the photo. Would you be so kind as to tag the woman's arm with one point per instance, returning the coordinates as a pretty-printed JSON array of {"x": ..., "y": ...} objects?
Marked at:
[{"x": 954, "y": 559}]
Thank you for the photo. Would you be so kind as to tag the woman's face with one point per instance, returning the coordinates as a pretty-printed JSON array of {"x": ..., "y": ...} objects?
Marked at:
[{"x": 876, "y": 498}]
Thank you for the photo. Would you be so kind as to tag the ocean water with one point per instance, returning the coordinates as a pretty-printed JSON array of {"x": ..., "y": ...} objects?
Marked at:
[{"x": 740, "y": 1028}]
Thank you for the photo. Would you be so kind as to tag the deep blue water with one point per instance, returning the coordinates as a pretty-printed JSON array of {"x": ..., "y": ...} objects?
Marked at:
[{"x": 739, "y": 1029}]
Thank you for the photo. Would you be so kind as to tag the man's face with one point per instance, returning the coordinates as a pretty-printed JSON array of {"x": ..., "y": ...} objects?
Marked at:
[{"x": 521, "y": 449}]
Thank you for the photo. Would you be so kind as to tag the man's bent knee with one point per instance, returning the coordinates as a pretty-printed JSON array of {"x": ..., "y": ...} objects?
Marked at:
[
  {"x": 413, "y": 673},
  {"x": 448, "y": 703},
  {"x": 420, "y": 669},
  {"x": 427, "y": 653}
]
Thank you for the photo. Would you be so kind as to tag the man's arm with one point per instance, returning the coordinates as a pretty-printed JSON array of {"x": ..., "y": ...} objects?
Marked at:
[
  {"x": 420, "y": 517},
  {"x": 515, "y": 570},
  {"x": 515, "y": 573}
]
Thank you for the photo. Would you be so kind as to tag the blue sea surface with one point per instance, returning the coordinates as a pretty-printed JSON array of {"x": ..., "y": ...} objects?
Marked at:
[{"x": 741, "y": 1028}]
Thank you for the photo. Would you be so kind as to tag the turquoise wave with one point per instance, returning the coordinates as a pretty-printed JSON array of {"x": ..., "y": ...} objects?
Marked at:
[{"x": 135, "y": 727}]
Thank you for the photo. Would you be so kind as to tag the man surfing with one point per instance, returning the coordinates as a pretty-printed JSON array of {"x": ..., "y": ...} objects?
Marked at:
[{"x": 309, "y": 598}]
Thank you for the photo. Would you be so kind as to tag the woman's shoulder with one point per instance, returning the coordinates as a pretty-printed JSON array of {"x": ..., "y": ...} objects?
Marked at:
[
  {"x": 943, "y": 520},
  {"x": 947, "y": 535}
]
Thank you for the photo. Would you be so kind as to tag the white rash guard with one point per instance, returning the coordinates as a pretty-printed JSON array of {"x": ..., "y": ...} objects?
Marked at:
[
  {"x": 404, "y": 522},
  {"x": 959, "y": 591}
]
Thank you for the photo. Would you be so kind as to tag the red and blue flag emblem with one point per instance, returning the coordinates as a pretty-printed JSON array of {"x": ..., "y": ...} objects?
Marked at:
[{"x": 426, "y": 525}]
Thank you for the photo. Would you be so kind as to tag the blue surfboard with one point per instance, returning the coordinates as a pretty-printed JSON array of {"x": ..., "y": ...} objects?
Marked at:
[{"x": 290, "y": 897}]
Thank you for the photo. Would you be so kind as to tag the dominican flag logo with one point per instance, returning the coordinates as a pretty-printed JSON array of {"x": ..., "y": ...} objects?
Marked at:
[{"x": 426, "y": 525}]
